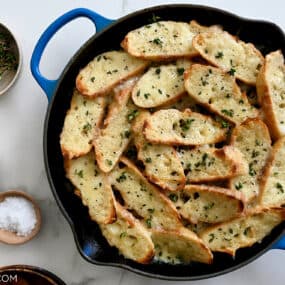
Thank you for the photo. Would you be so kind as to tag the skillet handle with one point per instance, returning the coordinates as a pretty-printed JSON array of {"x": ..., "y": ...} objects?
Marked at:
[
  {"x": 280, "y": 244},
  {"x": 47, "y": 85}
]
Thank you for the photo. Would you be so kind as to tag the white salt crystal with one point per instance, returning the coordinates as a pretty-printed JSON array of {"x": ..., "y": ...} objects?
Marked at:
[{"x": 17, "y": 215}]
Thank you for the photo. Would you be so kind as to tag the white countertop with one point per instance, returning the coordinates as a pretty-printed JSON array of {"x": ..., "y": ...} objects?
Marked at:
[{"x": 22, "y": 113}]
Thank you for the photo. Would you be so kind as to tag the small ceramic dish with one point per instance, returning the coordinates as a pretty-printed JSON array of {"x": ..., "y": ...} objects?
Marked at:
[
  {"x": 11, "y": 237},
  {"x": 8, "y": 78},
  {"x": 28, "y": 275}
]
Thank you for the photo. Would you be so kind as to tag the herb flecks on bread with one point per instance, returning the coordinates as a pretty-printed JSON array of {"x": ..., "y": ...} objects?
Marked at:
[
  {"x": 271, "y": 93},
  {"x": 208, "y": 204},
  {"x": 145, "y": 199},
  {"x": 272, "y": 192},
  {"x": 206, "y": 164},
  {"x": 81, "y": 120},
  {"x": 93, "y": 187},
  {"x": 129, "y": 236},
  {"x": 242, "y": 232},
  {"x": 162, "y": 164},
  {"x": 217, "y": 91},
  {"x": 173, "y": 127},
  {"x": 232, "y": 55},
  {"x": 253, "y": 140},
  {"x": 106, "y": 71}
]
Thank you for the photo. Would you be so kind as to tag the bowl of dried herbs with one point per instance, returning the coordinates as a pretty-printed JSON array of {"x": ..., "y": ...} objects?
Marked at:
[{"x": 10, "y": 59}]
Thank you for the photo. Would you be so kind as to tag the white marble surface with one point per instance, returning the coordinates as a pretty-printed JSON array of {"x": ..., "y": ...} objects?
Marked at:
[{"x": 22, "y": 112}]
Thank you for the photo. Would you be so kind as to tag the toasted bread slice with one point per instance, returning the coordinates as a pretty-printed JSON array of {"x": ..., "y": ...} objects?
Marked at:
[
  {"x": 106, "y": 71},
  {"x": 79, "y": 126},
  {"x": 271, "y": 93},
  {"x": 111, "y": 140},
  {"x": 129, "y": 236},
  {"x": 217, "y": 91},
  {"x": 253, "y": 140},
  {"x": 242, "y": 232},
  {"x": 162, "y": 165},
  {"x": 95, "y": 190},
  {"x": 232, "y": 55},
  {"x": 160, "y": 85},
  {"x": 182, "y": 128},
  {"x": 198, "y": 228},
  {"x": 182, "y": 246},
  {"x": 160, "y": 41},
  {"x": 144, "y": 198},
  {"x": 181, "y": 103},
  {"x": 203, "y": 164},
  {"x": 272, "y": 192},
  {"x": 197, "y": 28},
  {"x": 164, "y": 40},
  {"x": 210, "y": 204}
]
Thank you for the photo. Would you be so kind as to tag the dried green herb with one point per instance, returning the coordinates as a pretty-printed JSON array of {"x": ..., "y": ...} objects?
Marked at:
[
  {"x": 232, "y": 71},
  {"x": 122, "y": 177},
  {"x": 219, "y": 54},
  {"x": 8, "y": 60},
  {"x": 173, "y": 197},
  {"x": 229, "y": 113},
  {"x": 180, "y": 70},
  {"x": 279, "y": 187},
  {"x": 86, "y": 128},
  {"x": 185, "y": 124},
  {"x": 157, "y": 41},
  {"x": 131, "y": 115},
  {"x": 79, "y": 173}
]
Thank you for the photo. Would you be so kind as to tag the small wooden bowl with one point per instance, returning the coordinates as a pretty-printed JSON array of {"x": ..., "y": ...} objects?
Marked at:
[
  {"x": 28, "y": 275},
  {"x": 11, "y": 237}
]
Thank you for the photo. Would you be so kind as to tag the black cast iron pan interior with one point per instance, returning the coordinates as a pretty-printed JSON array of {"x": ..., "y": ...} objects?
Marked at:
[{"x": 92, "y": 246}]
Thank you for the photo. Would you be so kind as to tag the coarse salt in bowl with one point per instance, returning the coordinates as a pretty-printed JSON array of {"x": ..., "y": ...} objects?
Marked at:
[
  {"x": 20, "y": 217},
  {"x": 17, "y": 215}
]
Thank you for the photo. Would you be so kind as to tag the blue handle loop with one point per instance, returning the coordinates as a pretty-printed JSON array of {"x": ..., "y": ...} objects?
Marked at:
[
  {"x": 280, "y": 244},
  {"x": 47, "y": 85}
]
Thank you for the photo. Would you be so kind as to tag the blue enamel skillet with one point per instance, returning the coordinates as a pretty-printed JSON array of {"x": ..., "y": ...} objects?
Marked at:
[{"x": 109, "y": 33}]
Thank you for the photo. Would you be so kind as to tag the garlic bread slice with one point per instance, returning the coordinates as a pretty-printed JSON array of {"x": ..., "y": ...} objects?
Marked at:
[
  {"x": 198, "y": 28},
  {"x": 173, "y": 127},
  {"x": 242, "y": 232},
  {"x": 160, "y": 84},
  {"x": 205, "y": 164},
  {"x": 198, "y": 227},
  {"x": 232, "y": 55},
  {"x": 106, "y": 71},
  {"x": 161, "y": 41},
  {"x": 111, "y": 140},
  {"x": 271, "y": 93},
  {"x": 93, "y": 186},
  {"x": 181, "y": 246},
  {"x": 253, "y": 140},
  {"x": 272, "y": 193},
  {"x": 162, "y": 165},
  {"x": 210, "y": 204},
  {"x": 142, "y": 197},
  {"x": 181, "y": 103},
  {"x": 129, "y": 236},
  {"x": 217, "y": 91},
  {"x": 79, "y": 126}
]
